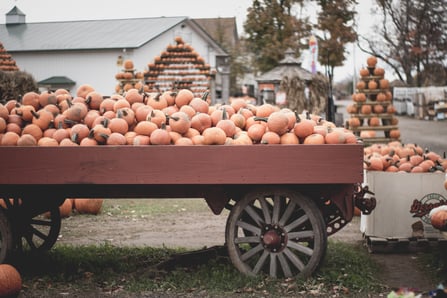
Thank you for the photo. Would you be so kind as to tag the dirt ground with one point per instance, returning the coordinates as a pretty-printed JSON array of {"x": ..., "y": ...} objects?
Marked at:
[{"x": 200, "y": 228}]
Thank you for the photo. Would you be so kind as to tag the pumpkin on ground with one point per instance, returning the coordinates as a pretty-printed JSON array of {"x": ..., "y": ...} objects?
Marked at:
[
  {"x": 88, "y": 206},
  {"x": 10, "y": 281},
  {"x": 438, "y": 217}
]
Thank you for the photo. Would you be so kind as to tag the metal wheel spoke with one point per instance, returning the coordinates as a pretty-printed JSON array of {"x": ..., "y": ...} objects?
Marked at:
[
  {"x": 300, "y": 235},
  {"x": 252, "y": 252},
  {"x": 284, "y": 265},
  {"x": 273, "y": 265},
  {"x": 289, "y": 211},
  {"x": 29, "y": 240},
  {"x": 294, "y": 259},
  {"x": 41, "y": 222},
  {"x": 248, "y": 239},
  {"x": 254, "y": 215},
  {"x": 261, "y": 262},
  {"x": 39, "y": 234},
  {"x": 301, "y": 248},
  {"x": 249, "y": 227},
  {"x": 299, "y": 221},
  {"x": 276, "y": 209},
  {"x": 265, "y": 211}
]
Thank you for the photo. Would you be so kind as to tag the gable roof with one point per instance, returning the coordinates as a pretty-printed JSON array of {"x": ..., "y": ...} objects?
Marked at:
[
  {"x": 15, "y": 11},
  {"x": 85, "y": 35},
  {"x": 222, "y": 30}
]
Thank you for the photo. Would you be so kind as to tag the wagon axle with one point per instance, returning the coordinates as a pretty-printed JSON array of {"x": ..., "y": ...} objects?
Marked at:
[{"x": 274, "y": 238}]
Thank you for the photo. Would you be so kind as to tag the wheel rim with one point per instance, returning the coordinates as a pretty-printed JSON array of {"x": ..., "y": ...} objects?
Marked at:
[
  {"x": 6, "y": 242},
  {"x": 33, "y": 233},
  {"x": 276, "y": 232}
]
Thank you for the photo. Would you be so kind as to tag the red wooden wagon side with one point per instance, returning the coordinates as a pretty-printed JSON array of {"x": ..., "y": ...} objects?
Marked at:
[{"x": 284, "y": 199}]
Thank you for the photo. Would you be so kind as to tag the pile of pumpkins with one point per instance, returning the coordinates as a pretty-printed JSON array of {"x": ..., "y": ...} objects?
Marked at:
[
  {"x": 398, "y": 157},
  {"x": 81, "y": 206},
  {"x": 169, "y": 118}
]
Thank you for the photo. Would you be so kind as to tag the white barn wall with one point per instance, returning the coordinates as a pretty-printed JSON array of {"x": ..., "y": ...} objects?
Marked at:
[{"x": 98, "y": 67}]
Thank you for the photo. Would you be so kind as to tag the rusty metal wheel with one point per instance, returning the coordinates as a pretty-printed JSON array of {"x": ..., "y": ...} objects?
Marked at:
[
  {"x": 276, "y": 232},
  {"x": 6, "y": 242},
  {"x": 34, "y": 232}
]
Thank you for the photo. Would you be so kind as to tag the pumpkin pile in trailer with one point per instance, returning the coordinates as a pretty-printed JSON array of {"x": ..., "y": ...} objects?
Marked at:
[{"x": 141, "y": 118}]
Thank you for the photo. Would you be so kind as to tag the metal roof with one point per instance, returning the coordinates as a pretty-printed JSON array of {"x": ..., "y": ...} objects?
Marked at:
[
  {"x": 15, "y": 11},
  {"x": 288, "y": 67},
  {"x": 85, "y": 35},
  {"x": 57, "y": 80}
]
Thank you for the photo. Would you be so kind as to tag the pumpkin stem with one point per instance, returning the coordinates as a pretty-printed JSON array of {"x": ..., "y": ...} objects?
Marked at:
[
  {"x": 91, "y": 134},
  {"x": 70, "y": 122},
  {"x": 104, "y": 136},
  {"x": 224, "y": 114},
  {"x": 75, "y": 137},
  {"x": 205, "y": 95},
  {"x": 105, "y": 122},
  {"x": 88, "y": 99},
  {"x": 265, "y": 119},
  {"x": 174, "y": 118},
  {"x": 35, "y": 114}
]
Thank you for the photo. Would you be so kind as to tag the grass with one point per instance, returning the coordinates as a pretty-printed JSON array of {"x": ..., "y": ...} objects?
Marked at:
[
  {"x": 132, "y": 271},
  {"x": 151, "y": 207}
]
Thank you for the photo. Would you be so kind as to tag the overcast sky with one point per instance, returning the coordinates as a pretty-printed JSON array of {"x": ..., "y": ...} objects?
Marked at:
[{"x": 65, "y": 10}]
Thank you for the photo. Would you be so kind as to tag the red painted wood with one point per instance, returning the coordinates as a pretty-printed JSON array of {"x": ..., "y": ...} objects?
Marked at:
[{"x": 182, "y": 165}]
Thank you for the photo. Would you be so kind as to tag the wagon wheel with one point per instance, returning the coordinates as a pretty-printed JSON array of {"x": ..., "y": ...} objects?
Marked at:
[
  {"x": 6, "y": 242},
  {"x": 35, "y": 233},
  {"x": 278, "y": 232}
]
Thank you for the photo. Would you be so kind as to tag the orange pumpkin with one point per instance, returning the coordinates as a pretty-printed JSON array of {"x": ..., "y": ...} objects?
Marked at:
[
  {"x": 270, "y": 137},
  {"x": 265, "y": 110},
  {"x": 214, "y": 136},
  {"x": 10, "y": 281},
  {"x": 26, "y": 140},
  {"x": 314, "y": 139},
  {"x": 160, "y": 136},
  {"x": 116, "y": 138},
  {"x": 364, "y": 72},
  {"x": 88, "y": 206},
  {"x": 183, "y": 97},
  {"x": 289, "y": 138},
  {"x": 278, "y": 122},
  {"x": 180, "y": 122},
  {"x": 371, "y": 61},
  {"x": 372, "y": 85},
  {"x": 439, "y": 220},
  {"x": 256, "y": 131},
  {"x": 335, "y": 136},
  {"x": 83, "y": 90},
  {"x": 304, "y": 128}
]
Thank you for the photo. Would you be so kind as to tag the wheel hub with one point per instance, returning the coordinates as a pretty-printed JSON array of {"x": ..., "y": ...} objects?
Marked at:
[{"x": 273, "y": 238}]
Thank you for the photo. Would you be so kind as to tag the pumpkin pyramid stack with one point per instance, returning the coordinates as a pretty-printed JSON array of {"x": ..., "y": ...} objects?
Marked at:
[
  {"x": 6, "y": 61},
  {"x": 372, "y": 112},
  {"x": 128, "y": 78},
  {"x": 178, "y": 67}
]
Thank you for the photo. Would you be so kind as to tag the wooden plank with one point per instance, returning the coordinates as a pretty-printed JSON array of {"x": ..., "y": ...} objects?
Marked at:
[{"x": 158, "y": 165}]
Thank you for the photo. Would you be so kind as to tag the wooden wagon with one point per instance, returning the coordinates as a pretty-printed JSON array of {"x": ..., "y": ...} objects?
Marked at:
[{"x": 284, "y": 199}]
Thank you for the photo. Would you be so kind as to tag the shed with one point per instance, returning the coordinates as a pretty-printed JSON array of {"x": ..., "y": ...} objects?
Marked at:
[{"x": 293, "y": 86}]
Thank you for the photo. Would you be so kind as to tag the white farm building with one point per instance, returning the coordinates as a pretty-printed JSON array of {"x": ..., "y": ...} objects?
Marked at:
[{"x": 69, "y": 54}]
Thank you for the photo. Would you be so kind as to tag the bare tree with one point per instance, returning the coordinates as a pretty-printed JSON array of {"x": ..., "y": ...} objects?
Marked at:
[{"x": 411, "y": 38}]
